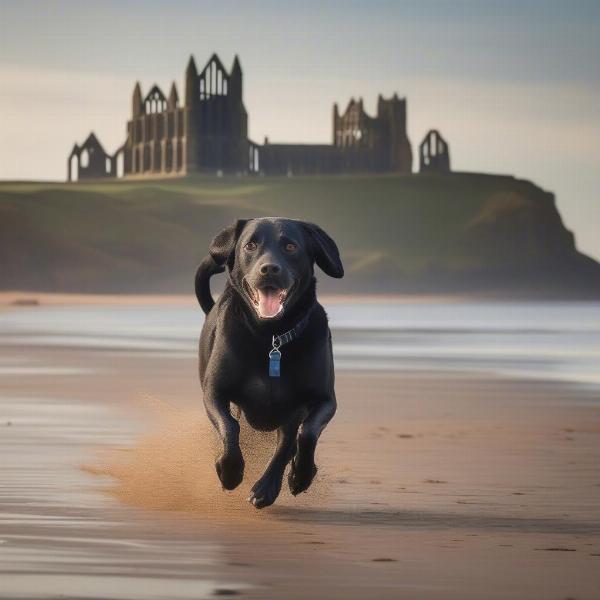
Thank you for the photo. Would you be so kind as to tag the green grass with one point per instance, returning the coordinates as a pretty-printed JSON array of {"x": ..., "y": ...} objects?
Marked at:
[{"x": 394, "y": 232}]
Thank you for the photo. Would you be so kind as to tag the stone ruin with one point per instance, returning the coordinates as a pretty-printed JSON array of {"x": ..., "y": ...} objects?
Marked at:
[
  {"x": 434, "y": 153},
  {"x": 208, "y": 133}
]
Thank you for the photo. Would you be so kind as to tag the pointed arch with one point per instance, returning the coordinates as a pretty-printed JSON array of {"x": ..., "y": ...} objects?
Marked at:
[
  {"x": 155, "y": 101},
  {"x": 213, "y": 80},
  {"x": 73, "y": 168}
]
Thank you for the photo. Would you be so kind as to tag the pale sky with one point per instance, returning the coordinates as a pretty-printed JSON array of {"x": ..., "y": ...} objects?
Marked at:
[{"x": 513, "y": 85}]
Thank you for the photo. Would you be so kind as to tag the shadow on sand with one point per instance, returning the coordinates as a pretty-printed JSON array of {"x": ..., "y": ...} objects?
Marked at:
[{"x": 433, "y": 520}]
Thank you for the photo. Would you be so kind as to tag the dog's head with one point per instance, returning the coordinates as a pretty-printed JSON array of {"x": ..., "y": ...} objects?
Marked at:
[{"x": 271, "y": 261}]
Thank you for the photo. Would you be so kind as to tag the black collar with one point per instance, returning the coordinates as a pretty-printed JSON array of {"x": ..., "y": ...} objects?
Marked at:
[{"x": 291, "y": 334}]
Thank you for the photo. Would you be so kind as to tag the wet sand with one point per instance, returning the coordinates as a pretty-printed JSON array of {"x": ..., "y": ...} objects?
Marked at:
[
  {"x": 430, "y": 486},
  {"x": 24, "y": 298}
]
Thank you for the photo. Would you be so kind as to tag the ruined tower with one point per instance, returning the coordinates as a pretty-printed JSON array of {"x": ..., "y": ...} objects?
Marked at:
[
  {"x": 217, "y": 122},
  {"x": 190, "y": 143},
  {"x": 393, "y": 143},
  {"x": 207, "y": 134},
  {"x": 434, "y": 153},
  {"x": 377, "y": 143}
]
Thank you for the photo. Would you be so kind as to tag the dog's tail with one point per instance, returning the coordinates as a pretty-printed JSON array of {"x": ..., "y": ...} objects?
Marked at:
[{"x": 208, "y": 267}]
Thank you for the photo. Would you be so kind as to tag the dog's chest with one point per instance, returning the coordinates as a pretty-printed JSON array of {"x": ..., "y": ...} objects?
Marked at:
[
  {"x": 264, "y": 390},
  {"x": 267, "y": 401}
]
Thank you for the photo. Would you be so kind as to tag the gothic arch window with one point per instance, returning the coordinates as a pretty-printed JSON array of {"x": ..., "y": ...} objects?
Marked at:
[
  {"x": 74, "y": 169},
  {"x": 84, "y": 159},
  {"x": 155, "y": 101},
  {"x": 425, "y": 153},
  {"x": 213, "y": 81},
  {"x": 352, "y": 130},
  {"x": 120, "y": 166}
]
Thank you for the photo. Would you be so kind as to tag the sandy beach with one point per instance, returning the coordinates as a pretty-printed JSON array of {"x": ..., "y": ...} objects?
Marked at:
[{"x": 431, "y": 484}]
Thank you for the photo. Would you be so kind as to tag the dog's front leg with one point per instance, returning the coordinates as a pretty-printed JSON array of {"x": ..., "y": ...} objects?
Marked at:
[
  {"x": 303, "y": 468},
  {"x": 267, "y": 488},
  {"x": 230, "y": 465}
]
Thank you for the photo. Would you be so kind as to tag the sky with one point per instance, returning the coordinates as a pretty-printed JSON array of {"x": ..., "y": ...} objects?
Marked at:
[{"x": 514, "y": 86}]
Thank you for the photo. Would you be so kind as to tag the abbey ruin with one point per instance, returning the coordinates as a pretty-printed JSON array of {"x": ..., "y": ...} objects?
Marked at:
[{"x": 208, "y": 133}]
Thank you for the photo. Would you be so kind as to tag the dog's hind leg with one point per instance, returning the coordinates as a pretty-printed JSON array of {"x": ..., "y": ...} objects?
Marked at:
[
  {"x": 267, "y": 488},
  {"x": 303, "y": 468}
]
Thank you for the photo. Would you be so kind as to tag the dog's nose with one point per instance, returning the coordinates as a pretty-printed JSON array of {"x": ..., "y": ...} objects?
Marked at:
[{"x": 269, "y": 269}]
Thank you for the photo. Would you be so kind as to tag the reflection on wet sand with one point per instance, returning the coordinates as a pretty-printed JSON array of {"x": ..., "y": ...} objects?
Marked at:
[{"x": 430, "y": 485}]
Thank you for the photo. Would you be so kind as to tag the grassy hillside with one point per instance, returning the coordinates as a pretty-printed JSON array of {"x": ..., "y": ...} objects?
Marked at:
[{"x": 463, "y": 232}]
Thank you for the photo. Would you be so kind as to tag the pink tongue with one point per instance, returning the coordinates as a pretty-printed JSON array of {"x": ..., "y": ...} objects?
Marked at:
[{"x": 268, "y": 302}]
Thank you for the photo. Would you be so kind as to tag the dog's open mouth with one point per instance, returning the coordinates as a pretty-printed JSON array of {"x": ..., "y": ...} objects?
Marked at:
[{"x": 268, "y": 301}]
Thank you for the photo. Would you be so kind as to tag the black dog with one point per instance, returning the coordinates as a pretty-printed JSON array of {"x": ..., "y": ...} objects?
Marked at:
[{"x": 266, "y": 346}]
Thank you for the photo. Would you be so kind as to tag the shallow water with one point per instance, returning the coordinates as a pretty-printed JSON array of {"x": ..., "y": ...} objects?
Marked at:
[{"x": 553, "y": 340}]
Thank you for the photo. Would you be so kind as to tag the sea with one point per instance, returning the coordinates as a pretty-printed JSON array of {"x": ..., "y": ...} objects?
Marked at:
[{"x": 538, "y": 340}]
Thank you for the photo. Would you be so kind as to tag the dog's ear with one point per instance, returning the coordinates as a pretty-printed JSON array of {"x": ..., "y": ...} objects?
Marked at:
[
  {"x": 326, "y": 253},
  {"x": 223, "y": 244}
]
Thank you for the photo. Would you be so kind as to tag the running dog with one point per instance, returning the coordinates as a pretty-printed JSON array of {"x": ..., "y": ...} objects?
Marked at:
[{"x": 266, "y": 346}]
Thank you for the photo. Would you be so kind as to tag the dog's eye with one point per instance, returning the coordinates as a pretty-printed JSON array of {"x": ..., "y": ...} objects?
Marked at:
[
  {"x": 250, "y": 247},
  {"x": 289, "y": 247}
]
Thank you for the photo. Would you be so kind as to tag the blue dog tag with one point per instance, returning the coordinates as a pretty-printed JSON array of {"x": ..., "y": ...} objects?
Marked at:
[{"x": 274, "y": 363}]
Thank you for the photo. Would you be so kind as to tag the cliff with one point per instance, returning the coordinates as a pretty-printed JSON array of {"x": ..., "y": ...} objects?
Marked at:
[{"x": 457, "y": 233}]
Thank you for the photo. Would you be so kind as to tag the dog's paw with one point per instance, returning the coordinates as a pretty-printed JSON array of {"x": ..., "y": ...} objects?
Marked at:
[
  {"x": 301, "y": 476},
  {"x": 230, "y": 469},
  {"x": 265, "y": 491}
]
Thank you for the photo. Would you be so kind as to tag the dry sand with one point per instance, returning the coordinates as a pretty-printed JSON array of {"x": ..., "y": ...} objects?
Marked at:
[{"x": 430, "y": 486}]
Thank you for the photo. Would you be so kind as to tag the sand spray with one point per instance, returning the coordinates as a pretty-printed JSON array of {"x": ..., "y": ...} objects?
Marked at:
[{"x": 171, "y": 467}]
